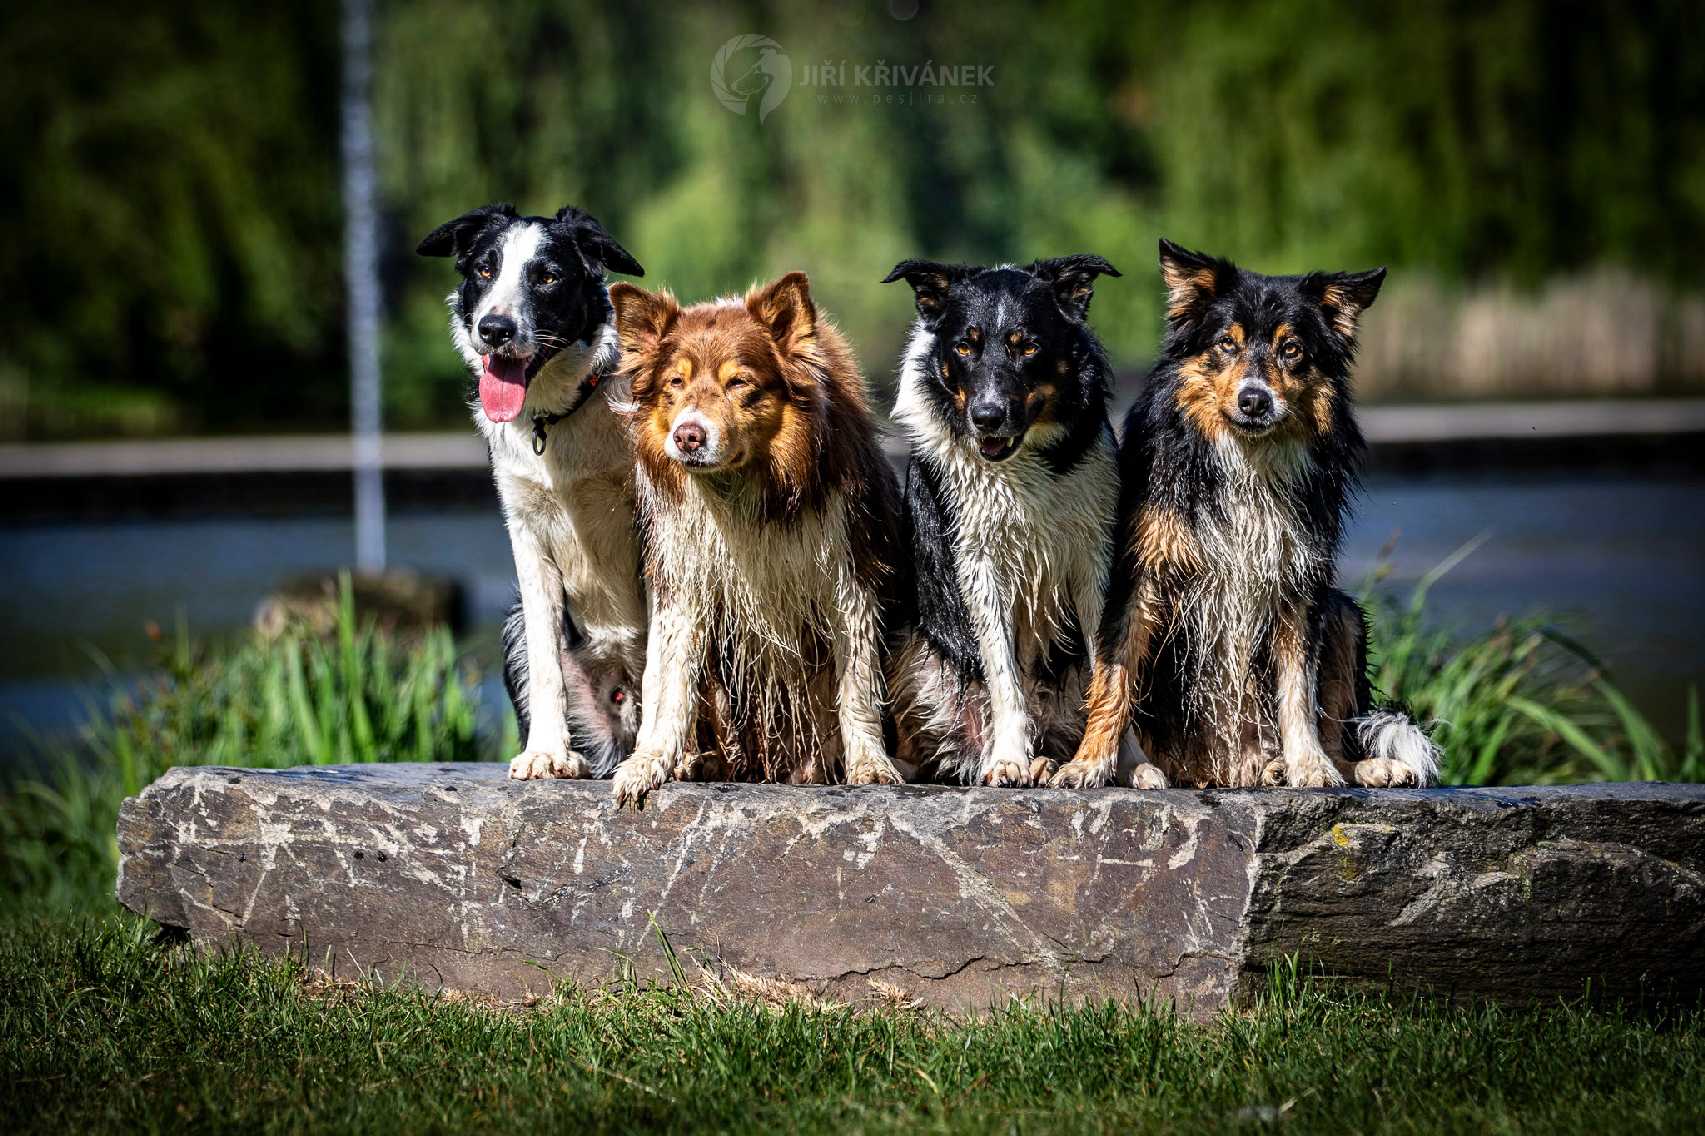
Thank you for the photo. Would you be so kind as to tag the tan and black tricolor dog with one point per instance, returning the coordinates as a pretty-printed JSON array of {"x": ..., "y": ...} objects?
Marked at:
[
  {"x": 768, "y": 524},
  {"x": 1223, "y": 622}
]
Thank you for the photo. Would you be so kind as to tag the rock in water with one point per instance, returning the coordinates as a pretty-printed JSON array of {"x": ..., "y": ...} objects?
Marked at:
[{"x": 454, "y": 876}]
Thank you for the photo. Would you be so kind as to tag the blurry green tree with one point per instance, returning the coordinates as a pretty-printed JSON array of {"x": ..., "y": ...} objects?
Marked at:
[{"x": 173, "y": 185}]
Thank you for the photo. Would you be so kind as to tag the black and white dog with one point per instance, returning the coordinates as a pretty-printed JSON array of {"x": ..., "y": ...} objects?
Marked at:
[
  {"x": 532, "y": 319},
  {"x": 1011, "y": 490}
]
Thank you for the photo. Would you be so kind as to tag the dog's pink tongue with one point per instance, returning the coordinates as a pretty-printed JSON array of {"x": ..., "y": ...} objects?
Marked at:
[{"x": 503, "y": 387}]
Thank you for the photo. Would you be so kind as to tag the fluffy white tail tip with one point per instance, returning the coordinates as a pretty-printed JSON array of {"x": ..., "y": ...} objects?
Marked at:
[{"x": 1391, "y": 735}]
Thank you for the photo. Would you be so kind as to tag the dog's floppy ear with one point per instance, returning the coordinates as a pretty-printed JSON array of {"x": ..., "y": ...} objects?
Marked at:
[
  {"x": 930, "y": 280},
  {"x": 598, "y": 249},
  {"x": 785, "y": 308},
  {"x": 1193, "y": 279},
  {"x": 1344, "y": 296},
  {"x": 1073, "y": 280},
  {"x": 642, "y": 318},
  {"x": 453, "y": 238}
]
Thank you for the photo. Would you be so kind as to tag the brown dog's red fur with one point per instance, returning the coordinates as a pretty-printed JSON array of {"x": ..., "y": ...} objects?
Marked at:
[{"x": 769, "y": 547}]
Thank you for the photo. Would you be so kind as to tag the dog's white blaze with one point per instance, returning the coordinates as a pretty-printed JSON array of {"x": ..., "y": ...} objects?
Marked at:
[
  {"x": 1031, "y": 558},
  {"x": 507, "y": 295}
]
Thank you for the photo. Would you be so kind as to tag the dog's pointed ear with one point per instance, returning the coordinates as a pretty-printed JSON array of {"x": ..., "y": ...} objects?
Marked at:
[
  {"x": 1344, "y": 296},
  {"x": 930, "y": 280},
  {"x": 1193, "y": 280},
  {"x": 1073, "y": 280},
  {"x": 453, "y": 238},
  {"x": 599, "y": 251},
  {"x": 786, "y": 309},
  {"x": 642, "y": 318}
]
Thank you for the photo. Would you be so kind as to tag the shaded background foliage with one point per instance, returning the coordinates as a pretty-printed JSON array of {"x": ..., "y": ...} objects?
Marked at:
[{"x": 175, "y": 254}]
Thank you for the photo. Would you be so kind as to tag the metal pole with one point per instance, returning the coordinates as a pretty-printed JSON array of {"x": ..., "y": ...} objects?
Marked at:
[{"x": 361, "y": 279}]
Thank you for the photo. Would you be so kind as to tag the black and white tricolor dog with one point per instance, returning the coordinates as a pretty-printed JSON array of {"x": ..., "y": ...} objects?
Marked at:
[
  {"x": 1223, "y": 623},
  {"x": 532, "y": 318},
  {"x": 1011, "y": 490}
]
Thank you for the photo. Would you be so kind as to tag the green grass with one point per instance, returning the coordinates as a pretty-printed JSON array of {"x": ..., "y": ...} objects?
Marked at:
[{"x": 102, "y": 1030}]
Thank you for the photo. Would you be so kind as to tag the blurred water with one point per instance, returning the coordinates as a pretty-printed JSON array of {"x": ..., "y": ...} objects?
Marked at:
[{"x": 1615, "y": 559}]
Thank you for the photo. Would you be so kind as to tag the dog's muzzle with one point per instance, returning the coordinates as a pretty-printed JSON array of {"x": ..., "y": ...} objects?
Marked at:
[{"x": 1258, "y": 409}]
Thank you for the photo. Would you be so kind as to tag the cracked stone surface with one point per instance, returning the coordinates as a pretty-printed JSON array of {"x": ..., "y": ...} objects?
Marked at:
[{"x": 454, "y": 876}]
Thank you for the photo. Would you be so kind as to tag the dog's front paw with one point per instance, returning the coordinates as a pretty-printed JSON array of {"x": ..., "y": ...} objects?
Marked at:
[
  {"x": 1147, "y": 776},
  {"x": 1311, "y": 772},
  {"x": 543, "y": 764},
  {"x": 872, "y": 768},
  {"x": 1383, "y": 773},
  {"x": 639, "y": 775},
  {"x": 1011, "y": 767},
  {"x": 1082, "y": 775}
]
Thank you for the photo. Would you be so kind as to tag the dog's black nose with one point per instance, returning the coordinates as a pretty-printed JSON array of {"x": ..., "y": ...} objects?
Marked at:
[
  {"x": 988, "y": 415},
  {"x": 497, "y": 330},
  {"x": 1254, "y": 402}
]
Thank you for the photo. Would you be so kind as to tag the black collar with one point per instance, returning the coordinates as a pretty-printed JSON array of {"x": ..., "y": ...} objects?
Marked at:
[{"x": 543, "y": 422}]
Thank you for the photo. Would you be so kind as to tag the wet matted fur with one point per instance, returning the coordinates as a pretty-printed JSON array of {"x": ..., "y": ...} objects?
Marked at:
[
  {"x": 1223, "y": 622},
  {"x": 768, "y": 519},
  {"x": 1011, "y": 486}
]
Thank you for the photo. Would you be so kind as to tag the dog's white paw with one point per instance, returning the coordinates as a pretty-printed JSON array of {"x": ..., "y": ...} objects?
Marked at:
[
  {"x": 639, "y": 775},
  {"x": 1082, "y": 775},
  {"x": 1017, "y": 772},
  {"x": 544, "y": 764},
  {"x": 1383, "y": 773},
  {"x": 1147, "y": 776}
]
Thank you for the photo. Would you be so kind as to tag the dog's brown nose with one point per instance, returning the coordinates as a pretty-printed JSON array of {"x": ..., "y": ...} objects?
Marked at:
[{"x": 689, "y": 436}]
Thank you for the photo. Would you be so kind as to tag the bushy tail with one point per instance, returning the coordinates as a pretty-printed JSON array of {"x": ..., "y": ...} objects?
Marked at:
[{"x": 1388, "y": 734}]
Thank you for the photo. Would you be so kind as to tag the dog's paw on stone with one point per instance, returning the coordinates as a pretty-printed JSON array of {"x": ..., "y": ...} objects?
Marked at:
[
  {"x": 872, "y": 769},
  {"x": 639, "y": 775},
  {"x": 1080, "y": 775},
  {"x": 1311, "y": 773},
  {"x": 1383, "y": 773},
  {"x": 1147, "y": 776},
  {"x": 544, "y": 764}
]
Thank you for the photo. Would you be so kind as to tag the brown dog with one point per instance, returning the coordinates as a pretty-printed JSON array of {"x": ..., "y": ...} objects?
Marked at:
[{"x": 768, "y": 521}]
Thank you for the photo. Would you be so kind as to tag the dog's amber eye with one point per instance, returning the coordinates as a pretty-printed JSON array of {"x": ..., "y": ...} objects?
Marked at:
[
  {"x": 1029, "y": 350},
  {"x": 547, "y": 280},
  {"x": 1290, "y": 351},
  {"x": 964, "y": 350},
  {"x": 1226, "y": 343},
  {"x": 485, "y": 273}
]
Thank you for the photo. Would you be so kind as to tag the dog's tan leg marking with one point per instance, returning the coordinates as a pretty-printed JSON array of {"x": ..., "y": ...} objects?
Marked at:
[
  {"x": 669, "y": 701},
  {"x": 1303, "y": 763},
  {"x": 1111, "y": 683},
  {"x": 858, "y": 680}
]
